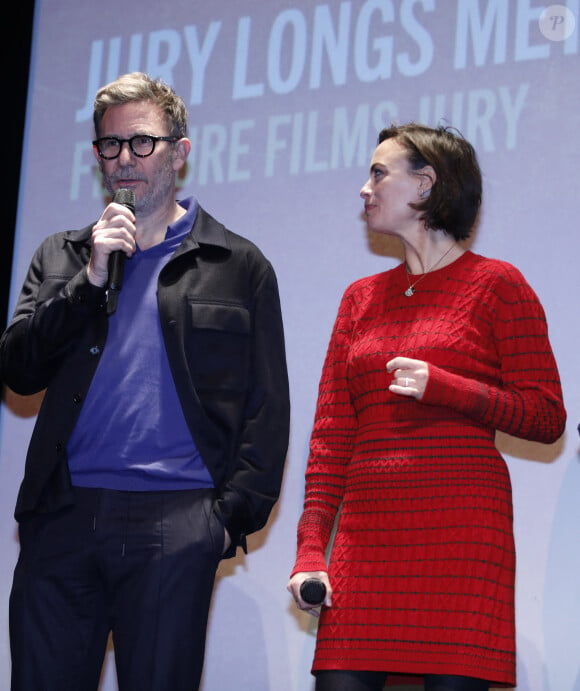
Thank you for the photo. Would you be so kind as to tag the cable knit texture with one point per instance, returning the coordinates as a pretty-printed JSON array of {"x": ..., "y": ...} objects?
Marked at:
[{"x": 423, "y": 560}]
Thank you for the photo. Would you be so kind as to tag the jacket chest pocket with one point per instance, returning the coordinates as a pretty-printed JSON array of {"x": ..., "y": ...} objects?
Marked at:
[{"x": 221, "y": 336}]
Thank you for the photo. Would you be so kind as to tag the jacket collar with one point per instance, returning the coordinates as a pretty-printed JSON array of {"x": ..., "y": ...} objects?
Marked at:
[
  {"x": 206, "y": 230},
  {"x": 80, "y": 237}
]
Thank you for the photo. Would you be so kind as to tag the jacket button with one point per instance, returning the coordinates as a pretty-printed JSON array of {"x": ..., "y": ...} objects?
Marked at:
[
  {"x": 95, "y": 350},
  {"x": 77, "y": 398}
]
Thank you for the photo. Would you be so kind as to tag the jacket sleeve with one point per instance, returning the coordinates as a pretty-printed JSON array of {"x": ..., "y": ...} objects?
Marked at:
[
  {"x": 253, "y": 486},
  {"x": 54, "y": 305}
]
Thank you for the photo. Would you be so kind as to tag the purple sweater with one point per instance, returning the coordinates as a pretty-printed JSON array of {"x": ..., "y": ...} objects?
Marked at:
[{"x": 131, "y": 433}]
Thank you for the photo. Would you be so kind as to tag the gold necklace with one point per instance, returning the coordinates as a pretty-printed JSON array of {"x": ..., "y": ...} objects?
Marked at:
[{"x": 411, "y": 289}]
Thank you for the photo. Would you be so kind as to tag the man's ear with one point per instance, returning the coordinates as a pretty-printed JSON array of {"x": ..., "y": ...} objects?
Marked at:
[{"x": 182, "y": 149}]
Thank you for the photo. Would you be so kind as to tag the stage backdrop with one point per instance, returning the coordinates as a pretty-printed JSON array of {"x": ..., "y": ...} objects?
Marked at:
[{"x": 285, "y": 100}]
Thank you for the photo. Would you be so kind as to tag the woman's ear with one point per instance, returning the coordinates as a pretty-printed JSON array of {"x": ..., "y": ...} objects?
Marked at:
[{"x": 427, "y": 179}]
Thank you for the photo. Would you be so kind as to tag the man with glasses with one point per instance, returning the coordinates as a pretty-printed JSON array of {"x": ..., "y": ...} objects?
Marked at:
[{"x": 162, "y": 436}]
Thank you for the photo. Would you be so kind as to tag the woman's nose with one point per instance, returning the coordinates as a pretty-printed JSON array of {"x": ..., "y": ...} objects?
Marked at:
[{"x": 364, "y": 192}]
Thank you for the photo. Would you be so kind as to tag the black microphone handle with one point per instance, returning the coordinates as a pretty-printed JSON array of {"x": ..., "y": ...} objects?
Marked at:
[
  {"x": 313, "y": 591},
  {"x": 125, "y": 197},
  {"x": 116, "y": 270}
]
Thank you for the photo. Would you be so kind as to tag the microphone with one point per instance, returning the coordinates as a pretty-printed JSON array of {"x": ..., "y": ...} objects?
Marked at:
[
  {"x": 313, "y": 591},
  {"x": 125, "y": 197}
]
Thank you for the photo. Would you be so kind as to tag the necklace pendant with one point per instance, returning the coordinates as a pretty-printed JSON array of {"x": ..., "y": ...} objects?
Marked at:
[{"x": 409, "y": 292}]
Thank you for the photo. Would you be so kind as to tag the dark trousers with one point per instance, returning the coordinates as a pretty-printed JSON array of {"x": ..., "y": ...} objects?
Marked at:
[{"x": 140, "y": 565}]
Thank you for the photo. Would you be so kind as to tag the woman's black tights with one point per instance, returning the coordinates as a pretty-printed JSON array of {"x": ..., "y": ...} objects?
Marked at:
[{"x": 338, "y": 680}]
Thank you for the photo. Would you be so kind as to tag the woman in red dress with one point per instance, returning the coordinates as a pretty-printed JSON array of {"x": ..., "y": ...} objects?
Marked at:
[{"x": 425, "y": 362}]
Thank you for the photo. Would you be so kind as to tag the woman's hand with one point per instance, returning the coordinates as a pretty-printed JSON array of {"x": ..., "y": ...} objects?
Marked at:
[
  {"x": 410, "y": 376},
  {"x": 298, "y": 579}
]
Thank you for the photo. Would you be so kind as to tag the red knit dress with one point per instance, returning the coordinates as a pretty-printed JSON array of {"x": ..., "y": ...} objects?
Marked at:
[{"x": 423, "y": 561}]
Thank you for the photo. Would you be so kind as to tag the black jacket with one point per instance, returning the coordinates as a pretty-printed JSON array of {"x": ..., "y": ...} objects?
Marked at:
[{"x": 220, "y": 314}]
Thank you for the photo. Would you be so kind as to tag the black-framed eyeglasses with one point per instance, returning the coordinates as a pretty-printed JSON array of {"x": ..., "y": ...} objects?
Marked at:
[{"x": 141, "y": 145}]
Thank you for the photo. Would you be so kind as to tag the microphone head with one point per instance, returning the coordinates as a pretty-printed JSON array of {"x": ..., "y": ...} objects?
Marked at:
[
  {"x": 313, "y": 591},
  {"x": 125, "y": 197}
]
